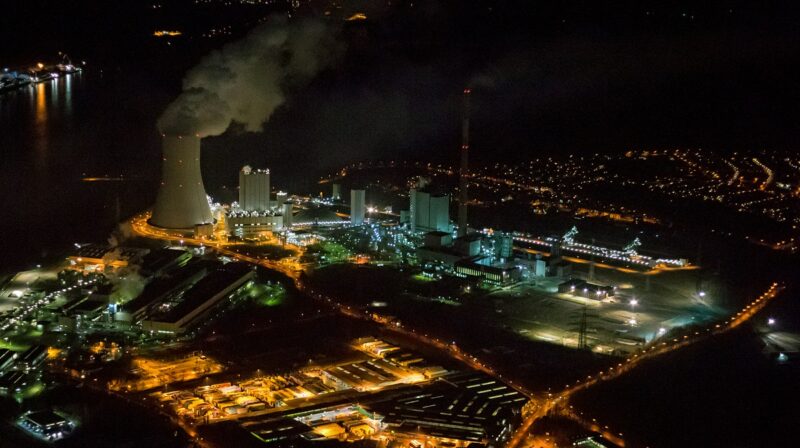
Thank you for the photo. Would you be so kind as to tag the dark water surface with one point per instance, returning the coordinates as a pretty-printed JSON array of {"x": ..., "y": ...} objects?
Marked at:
[{"x": 55, "y": 134}]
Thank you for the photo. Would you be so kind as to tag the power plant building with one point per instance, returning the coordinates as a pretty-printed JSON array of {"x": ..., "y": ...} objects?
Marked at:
[
  {"x": 358, "y": 207},
  {"x": 256, "y": 213},
  {"x": 177, "y": 313},
  {"x": 182, "y": 202},
  {"x": 504, "y": 245},
  {"x": 430, "y": 212},
  {"x": 254, "y": 189},
  {"x": 248, "y": 223},
  {"x": 336, "y": 192}
]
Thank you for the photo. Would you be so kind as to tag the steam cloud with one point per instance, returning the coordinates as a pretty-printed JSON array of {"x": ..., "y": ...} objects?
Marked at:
[{"x": 246, "y": 81}]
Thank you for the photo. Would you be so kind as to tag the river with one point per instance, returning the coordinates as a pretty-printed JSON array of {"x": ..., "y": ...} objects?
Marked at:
[{"x": 52, "y": 136}]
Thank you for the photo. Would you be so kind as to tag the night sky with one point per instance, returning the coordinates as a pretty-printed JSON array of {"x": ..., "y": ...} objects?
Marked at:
[{"x": 548, "y": 77}]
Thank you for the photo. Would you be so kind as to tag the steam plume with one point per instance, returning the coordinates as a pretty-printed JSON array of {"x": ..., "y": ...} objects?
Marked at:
[{"x": 246, "y": 81}]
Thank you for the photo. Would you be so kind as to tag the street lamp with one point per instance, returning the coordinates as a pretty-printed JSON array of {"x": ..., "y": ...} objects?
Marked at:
[{"x": 633, "y": 303}]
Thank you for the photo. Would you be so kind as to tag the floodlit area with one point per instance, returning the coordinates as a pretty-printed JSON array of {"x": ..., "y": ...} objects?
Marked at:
[
  {"x": 148, "y": 373},
  {"x": 215, "y": 402},
  {"x": 641, "y": 308},
  {"x": 49, "y": 426},
  {"x": 23, "y": 286},
  {"x": 370, "y": 397},
  {"x": 384, "y": 366}
]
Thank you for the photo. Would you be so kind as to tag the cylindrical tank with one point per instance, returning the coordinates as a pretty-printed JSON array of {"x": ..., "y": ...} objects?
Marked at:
[{"x": 181, "y": 201}]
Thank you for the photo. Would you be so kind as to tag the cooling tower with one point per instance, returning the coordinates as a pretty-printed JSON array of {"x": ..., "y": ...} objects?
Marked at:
[{"x": 181, "y": 201}]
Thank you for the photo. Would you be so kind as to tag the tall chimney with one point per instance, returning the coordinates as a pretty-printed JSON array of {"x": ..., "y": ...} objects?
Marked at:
[
  {"x": 181, "y": 201},
  {"x": 463, "y": 197}
]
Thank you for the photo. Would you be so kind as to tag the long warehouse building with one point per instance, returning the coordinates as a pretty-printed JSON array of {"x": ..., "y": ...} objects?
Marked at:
[{"x": 199, "y": 300}]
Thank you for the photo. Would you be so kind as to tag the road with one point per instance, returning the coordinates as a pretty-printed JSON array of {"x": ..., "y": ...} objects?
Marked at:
[
  {"x": 653, "y": 351},
  {"x": 141, "y": 227}
]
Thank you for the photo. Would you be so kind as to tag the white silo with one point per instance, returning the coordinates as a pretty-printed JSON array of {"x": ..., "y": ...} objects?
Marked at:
[
  {"x": 254, "y": 189},
  {"x": 181, "y": 201}
]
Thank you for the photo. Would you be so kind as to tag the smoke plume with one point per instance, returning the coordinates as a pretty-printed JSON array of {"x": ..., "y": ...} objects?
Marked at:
[
  {"x": 246, "y": 81},
  {"x": 126, "y": 285}
]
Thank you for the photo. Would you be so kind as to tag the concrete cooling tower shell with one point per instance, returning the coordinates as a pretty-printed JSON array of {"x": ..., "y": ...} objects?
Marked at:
[{"x": 181, "y": 201}]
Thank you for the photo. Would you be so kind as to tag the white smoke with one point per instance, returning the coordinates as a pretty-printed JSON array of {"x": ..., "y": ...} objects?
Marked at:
[
  {"x": 127, "y": 284},
  {"x": 246, "y": 81}
]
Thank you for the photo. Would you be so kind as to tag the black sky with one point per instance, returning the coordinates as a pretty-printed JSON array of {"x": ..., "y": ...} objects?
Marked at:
[
  {"x": 576, "y": 77},
  {"x": 550, "y": 77}
]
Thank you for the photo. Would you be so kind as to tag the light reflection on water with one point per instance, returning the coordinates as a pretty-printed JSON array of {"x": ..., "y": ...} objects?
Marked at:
[
  {"x": 55, "y": 133},
  {"x": 40, "y": 141}
]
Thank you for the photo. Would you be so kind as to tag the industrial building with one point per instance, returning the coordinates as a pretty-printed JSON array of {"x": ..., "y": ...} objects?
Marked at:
[
  {"x": 484, "y": 269},
  {"x": 467, "y": 407},
  {"x": 158, "y": 262},
  {"x": 182, "y": 202},
  {"x": 179, "y": 313},
  {"x": 532, "y": 266},
  {"x": 317, "y": 216},
  {"x": 32, "y": 358},
  {"x": 438, "y": 239},
  {"x": 287, "y": 209},
  {"x": 169, "y": 283},
  {"x": 503, "y": 245},
  {"x": 429, "y": 211},
  {"x": 468, "y": 245},
  {"x": 7, "y": 358},
  {"x": 358, "y": 207},
  {"x": 254, "y": 189},
  {"x": 245, "y": 223},
  {"x": 13, "y": 381},
  {"x": 99, "y": 257},
  {"x": 336, "y": 192},
  {"x": 47, "y": 425},
  {"x": 256, "y": 213}
]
